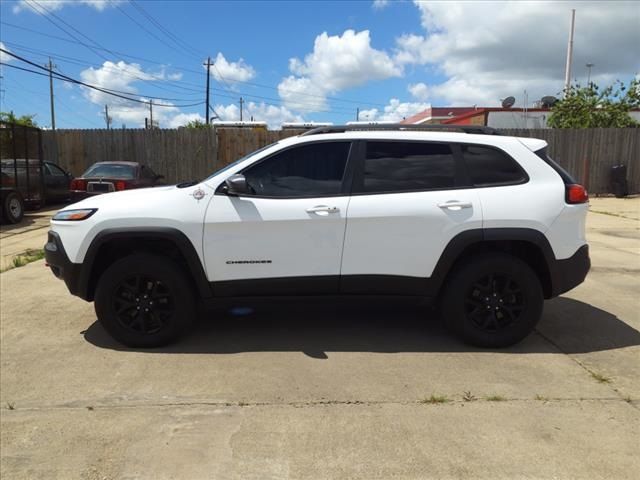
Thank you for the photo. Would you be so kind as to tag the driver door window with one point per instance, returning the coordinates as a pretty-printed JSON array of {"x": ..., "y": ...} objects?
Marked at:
[{"x": 308, "y": 171}]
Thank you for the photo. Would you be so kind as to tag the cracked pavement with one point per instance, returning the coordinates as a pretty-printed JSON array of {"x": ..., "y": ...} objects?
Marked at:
[{"x": 328, "y": 389}]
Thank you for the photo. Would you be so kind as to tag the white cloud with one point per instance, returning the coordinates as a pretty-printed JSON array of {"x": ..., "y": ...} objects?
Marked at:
[
  {"x": 122, "y": 76},
  {"x": 395, "y": 111},
  {"x": 183, "y": 118},
  {"x": 337, "y": 62},
  {"x": 231, "y": 72},
  {"x": 419, "y": 91},
  {"x": 380, "y": 4},
  {"x": 260, "y": 112},
  {"x": 302, "y": 94},
  {"x": 3, "y": 56},
  {"x": 45, "y": 6},
  {"x": 488, "y": 51}
]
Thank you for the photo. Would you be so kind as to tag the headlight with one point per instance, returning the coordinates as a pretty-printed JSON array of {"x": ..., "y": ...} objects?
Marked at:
[{"x": 74, "y": 215}]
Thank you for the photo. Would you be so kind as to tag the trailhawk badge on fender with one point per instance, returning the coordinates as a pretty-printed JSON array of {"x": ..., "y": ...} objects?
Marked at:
[{"x": 198, "y": 194}]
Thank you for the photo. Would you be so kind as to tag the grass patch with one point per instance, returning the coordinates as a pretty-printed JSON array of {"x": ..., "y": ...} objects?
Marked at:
[
  {"x": 434, "y": 399},
  {"x": 496, "y": 398},
  {"x": 542, "y": 398},
  {"x": 468, "y": 397},
  {"x": 600, "y": 378},
  {"x": 11, "y": 406},
  {"x": 25, "y": 258}
]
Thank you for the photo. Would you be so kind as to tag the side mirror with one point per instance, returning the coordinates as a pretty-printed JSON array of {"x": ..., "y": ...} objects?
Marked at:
[{"x": 236, "y": 185}]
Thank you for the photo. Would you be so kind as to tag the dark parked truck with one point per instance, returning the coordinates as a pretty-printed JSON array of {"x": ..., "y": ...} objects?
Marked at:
[{"x": 21, "y": 169}]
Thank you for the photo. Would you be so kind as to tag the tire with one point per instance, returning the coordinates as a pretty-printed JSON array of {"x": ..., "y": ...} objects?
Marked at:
[
  {"x": 145, "y": 300},
  {"x": 13, "y": 207},
  {"x": 492, "y": 301}
]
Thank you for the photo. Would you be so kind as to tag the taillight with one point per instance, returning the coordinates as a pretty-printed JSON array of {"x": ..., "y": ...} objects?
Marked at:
[
  {"x": 77, "y": 184},
  {"x": 576, "y": 194},
  {"x": 120, "y": 185}
]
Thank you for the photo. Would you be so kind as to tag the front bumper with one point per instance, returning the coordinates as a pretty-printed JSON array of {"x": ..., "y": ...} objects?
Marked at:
[
  {"x": 61, "y": 266},
  {"x": 571, "y": 272}
]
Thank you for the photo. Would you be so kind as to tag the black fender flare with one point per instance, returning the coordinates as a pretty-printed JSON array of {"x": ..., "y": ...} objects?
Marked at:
[
  {"x": 458, "y": 244},
  {"x": 175, "y": 236}
]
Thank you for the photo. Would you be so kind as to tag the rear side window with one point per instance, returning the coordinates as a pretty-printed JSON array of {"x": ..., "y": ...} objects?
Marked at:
[
  {"x": 566, "y": 176},
  {"x": 489, "y": 166},
  {"x": 408, "y": 166},
  {"x": 304, "y": 171}
]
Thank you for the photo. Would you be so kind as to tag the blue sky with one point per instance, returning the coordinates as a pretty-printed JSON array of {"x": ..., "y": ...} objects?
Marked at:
[{"x": 294, "y": 61}]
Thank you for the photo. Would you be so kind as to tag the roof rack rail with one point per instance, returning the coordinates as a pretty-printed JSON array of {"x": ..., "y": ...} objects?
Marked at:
[{"x": 475, "y": 129}]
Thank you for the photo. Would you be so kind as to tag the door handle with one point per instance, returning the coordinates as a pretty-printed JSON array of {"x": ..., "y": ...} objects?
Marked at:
[
  {"x": 455, "y": 205},
  {"x": 322, "y": 210}
]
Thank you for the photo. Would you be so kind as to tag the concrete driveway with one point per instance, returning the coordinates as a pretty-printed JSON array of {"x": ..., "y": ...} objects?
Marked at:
[
  {"x": 329, "y": 390},
  {"x": 29, "y": 234}
]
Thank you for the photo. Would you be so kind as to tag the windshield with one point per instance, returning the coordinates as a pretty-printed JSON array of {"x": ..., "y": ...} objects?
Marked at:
[
  {"x": 111, "y": 170},
  {"x": 242, "y": 159}
]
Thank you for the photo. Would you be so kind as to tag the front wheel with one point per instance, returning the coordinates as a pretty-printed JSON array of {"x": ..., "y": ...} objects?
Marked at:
[
  {"x": 144, "y": 300},
  {"x": 493, "y": 300}
]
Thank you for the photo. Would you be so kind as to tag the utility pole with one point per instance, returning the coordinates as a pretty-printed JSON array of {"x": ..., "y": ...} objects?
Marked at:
[
  {"x": 241, "y": 102},
  {"x": 567, "y": 72},
  {"x": 151, "y": 112},
  {"x": 51, "y": 66},
  {"x": 589, "y": 66},
  {"x": 208, "y": 64},
  {"x": 358, "y": 114},
  {"x": 107, "y": 118}
]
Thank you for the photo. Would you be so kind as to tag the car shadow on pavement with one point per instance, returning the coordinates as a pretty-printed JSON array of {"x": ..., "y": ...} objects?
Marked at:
[{"x": 317, "y": 327}]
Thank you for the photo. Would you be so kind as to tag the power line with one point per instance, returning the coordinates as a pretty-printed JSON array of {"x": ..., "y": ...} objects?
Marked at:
[
  {"x": 230, "y": 94},
  {"x": 48, "y": 13},
  {"x": 198, "y": 72},
  {"x": 73, "y": 80},
  {"x": 178, "y": 41},
  {"x": 74, "y": 111},
  {"x": 144, "y": 28},
  {"x": 84, "y": 63}
]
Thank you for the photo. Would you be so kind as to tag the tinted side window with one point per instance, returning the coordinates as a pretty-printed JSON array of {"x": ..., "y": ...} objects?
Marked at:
[
  {"x": 408, "y": 166},
  {"x": 53, "y": 170},
  {"x": 489, "y": 166},
  {"x": 305, "y": 171}
]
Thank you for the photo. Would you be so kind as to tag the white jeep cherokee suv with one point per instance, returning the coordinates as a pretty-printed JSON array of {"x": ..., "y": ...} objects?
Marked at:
[{"x": 487, "y": 225}]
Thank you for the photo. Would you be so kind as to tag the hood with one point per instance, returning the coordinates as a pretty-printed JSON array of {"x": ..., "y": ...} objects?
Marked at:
[
  {"x": 144, "y": 201},
  {"x": 131, "y": 197}
]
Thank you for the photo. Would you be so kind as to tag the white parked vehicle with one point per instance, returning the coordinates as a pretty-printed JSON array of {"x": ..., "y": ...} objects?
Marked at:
[{"x": 486, "y": 225}]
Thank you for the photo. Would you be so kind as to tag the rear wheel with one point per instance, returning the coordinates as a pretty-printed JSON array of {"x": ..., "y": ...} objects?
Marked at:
[
  {"x": 494, "y": 300},
  {"x": 144, "y": 300},
  {"x": 13, "y": 207}
]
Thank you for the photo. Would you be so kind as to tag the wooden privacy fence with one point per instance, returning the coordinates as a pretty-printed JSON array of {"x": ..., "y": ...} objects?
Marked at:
[
  {"x": 588, "y": 154},
  {"x": 190, "y": 154},
  {"x": 180, "y": 155}
]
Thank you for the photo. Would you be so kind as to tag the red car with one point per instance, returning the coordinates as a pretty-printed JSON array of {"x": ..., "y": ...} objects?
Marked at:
[{"x": 105, "y": 177}]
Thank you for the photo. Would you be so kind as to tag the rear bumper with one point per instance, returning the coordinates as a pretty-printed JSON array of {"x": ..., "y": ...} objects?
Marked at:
[
  {"x": 571, "y": 272},
  {"x": 77, "y": 195},
  {"x": 61, "y": 266}
]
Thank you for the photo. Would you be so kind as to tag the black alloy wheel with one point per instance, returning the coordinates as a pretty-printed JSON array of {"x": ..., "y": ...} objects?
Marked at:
[
  {"x": 143, "y": 304},
  {"x": 145, "y": 300},
  {"x": 492, "y": 300}
]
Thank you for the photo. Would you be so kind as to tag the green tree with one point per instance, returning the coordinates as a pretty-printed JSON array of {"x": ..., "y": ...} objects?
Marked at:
[
  {"x": 196, "y": 124},
  {"x": 26, "y": 120},
  {"x": 590, "y": 107}
]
